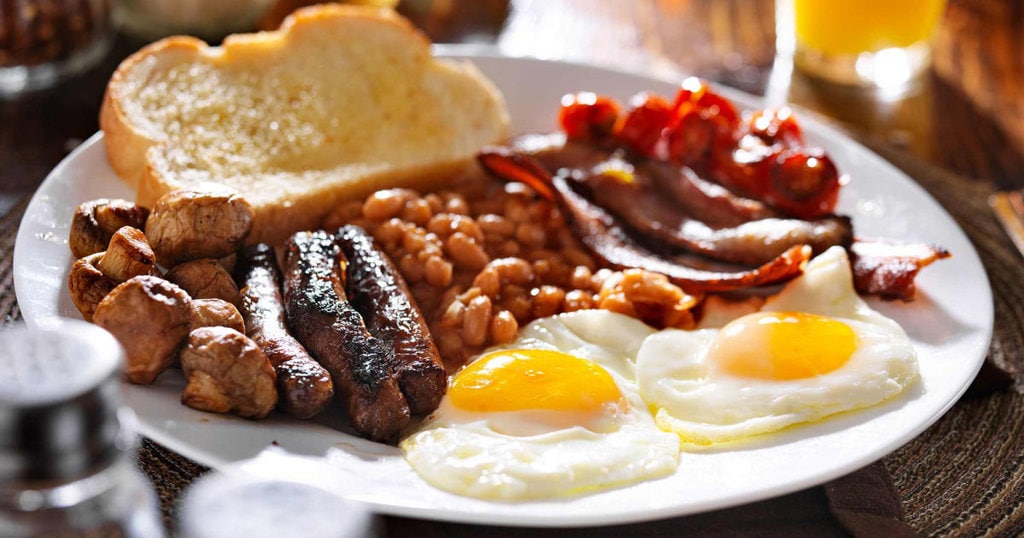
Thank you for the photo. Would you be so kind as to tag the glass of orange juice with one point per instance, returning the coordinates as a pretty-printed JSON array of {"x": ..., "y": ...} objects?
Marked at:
[{"x": 865, "y": 42}]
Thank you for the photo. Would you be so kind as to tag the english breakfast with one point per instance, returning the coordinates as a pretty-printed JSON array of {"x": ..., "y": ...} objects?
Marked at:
[{"x": 548, "y": 324}]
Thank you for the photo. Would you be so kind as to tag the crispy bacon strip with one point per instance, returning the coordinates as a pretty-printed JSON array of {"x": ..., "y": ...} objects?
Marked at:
[
  {"x": 887, "y": 269},
  {"x": 705, "y": 200},
  {"x": 645, "y": 211},
  {"x": 609, "y": 243},
  {"x": 671, "y": 209},
  {"x": 702, "y": 217},
  {"x": 701, "y": 199}
]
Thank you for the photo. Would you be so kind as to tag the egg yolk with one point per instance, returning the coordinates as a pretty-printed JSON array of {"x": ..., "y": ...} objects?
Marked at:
[
  {"x": 533, "y": 379},
  {"x": 782, "y": 346}
]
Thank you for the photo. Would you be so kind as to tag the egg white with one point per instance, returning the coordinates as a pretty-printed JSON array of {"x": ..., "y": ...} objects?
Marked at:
[
  {"x": 511, "y": 456},
  {"x": 705, "y": 405}
]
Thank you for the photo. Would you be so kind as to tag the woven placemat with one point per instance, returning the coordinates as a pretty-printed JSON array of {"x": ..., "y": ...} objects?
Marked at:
[{"x": 963, "y": 476}]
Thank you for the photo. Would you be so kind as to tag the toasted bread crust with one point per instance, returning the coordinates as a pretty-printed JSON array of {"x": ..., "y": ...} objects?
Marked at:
[
  {"x": 125, "y": 143},
  {"x": 296, "y": 189}
]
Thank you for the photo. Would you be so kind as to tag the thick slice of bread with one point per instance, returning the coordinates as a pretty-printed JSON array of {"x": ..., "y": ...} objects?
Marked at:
[{"x": 341, "y": 101}]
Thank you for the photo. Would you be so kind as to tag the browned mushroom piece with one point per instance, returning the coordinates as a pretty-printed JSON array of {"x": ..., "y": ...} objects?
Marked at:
[
  {"x": 205, "y": 278},
  {"x": 216, "y": 313},
  {"x": 92, "y": 277},
  {"x": 151, "y": 318},
  {"x": 226, "y": 372},
  {"x": 96, "y": 221},
  {"x": 128, "y": 254},
  {"x": 87, "y": 285},
  {"x": 208, "y": 221}
]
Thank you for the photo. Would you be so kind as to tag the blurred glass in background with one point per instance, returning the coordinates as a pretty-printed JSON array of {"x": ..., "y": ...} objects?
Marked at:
[
  {"x": 272, "y": 495},
  {"x": 203, "y": 18},
  {"x": 43, "y": 42},
  {"x": 883, "y": 43}
]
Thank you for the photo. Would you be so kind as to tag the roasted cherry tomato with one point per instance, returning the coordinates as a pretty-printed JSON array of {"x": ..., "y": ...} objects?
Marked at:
[
  {"x": 776, "y": 126},
  {"x": 642, "y": 127},
  {"x": 689, "y": 92},
  {"x": 704, "y": 123},
  {"x": 805, "y": 183},
  {"x": 691, "y": 139},
  {"x": 695, "y": 94},
  {"x": 743, "y": 168},
  {"x": 588, "y": 116}
]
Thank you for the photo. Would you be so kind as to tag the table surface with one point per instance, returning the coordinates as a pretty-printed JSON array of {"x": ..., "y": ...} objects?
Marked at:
[{"x": 963, "y": 120}]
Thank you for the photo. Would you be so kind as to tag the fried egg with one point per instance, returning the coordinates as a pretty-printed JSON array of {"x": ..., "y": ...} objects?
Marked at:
[
  {"x": 555, "y": 413},
  {"x": 811, "y": 351}
]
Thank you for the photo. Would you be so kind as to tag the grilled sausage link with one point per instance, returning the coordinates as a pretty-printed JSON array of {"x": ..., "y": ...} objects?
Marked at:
[
  {"x": 303, "y": 385},
  {"x": 332, "y": 330},
  {"x": 381, "y": 295}
]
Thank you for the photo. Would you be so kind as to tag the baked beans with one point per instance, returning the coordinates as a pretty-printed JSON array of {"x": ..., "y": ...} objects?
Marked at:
[{"x": 484, "y": 259}]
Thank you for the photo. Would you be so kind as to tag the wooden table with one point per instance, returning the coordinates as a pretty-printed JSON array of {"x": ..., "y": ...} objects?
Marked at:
[{"x": 966, "y": 116}]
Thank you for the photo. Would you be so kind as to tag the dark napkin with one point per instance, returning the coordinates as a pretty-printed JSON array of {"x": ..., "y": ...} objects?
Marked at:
[
  {"x": 866, "y": 503},
  {"x": 975, "y": 493}
]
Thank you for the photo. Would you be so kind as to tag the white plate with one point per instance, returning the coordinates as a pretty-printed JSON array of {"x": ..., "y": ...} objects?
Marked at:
[{"x": 950, "y": 323}]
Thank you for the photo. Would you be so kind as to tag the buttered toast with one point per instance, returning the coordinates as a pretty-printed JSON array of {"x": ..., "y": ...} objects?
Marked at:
[{"x": 341, "y": 101}]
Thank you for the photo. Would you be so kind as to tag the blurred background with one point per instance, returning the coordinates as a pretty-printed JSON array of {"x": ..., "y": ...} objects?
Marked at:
[{"x": 975, "y": 84}]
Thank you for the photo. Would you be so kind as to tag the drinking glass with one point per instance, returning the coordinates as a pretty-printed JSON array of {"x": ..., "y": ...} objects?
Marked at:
[{"x": 880, "y": 43}]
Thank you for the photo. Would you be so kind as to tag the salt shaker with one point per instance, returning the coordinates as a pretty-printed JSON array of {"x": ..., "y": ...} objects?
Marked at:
[{"x": 66, "y": 441}]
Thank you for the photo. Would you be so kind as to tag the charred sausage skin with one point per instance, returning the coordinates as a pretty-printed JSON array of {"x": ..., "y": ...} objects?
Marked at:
[
  {"x": 304, "y": 386},
  {"x": 323, "y": 320},
  {"x": 379, "y": 292}
]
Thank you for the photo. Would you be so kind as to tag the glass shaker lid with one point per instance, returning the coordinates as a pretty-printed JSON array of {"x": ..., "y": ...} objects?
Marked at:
[{"x": 59, "y": 400}]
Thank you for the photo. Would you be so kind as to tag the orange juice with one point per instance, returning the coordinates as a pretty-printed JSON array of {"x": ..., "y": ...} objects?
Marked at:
[{"x": 849, "y": 27}]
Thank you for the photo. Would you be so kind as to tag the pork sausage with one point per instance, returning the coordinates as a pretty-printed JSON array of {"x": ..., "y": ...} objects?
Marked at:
[
  {"x": 304, "y": 386},
  {"x": 380, "y": 294},
  {"x": 322, "y": 319}
]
